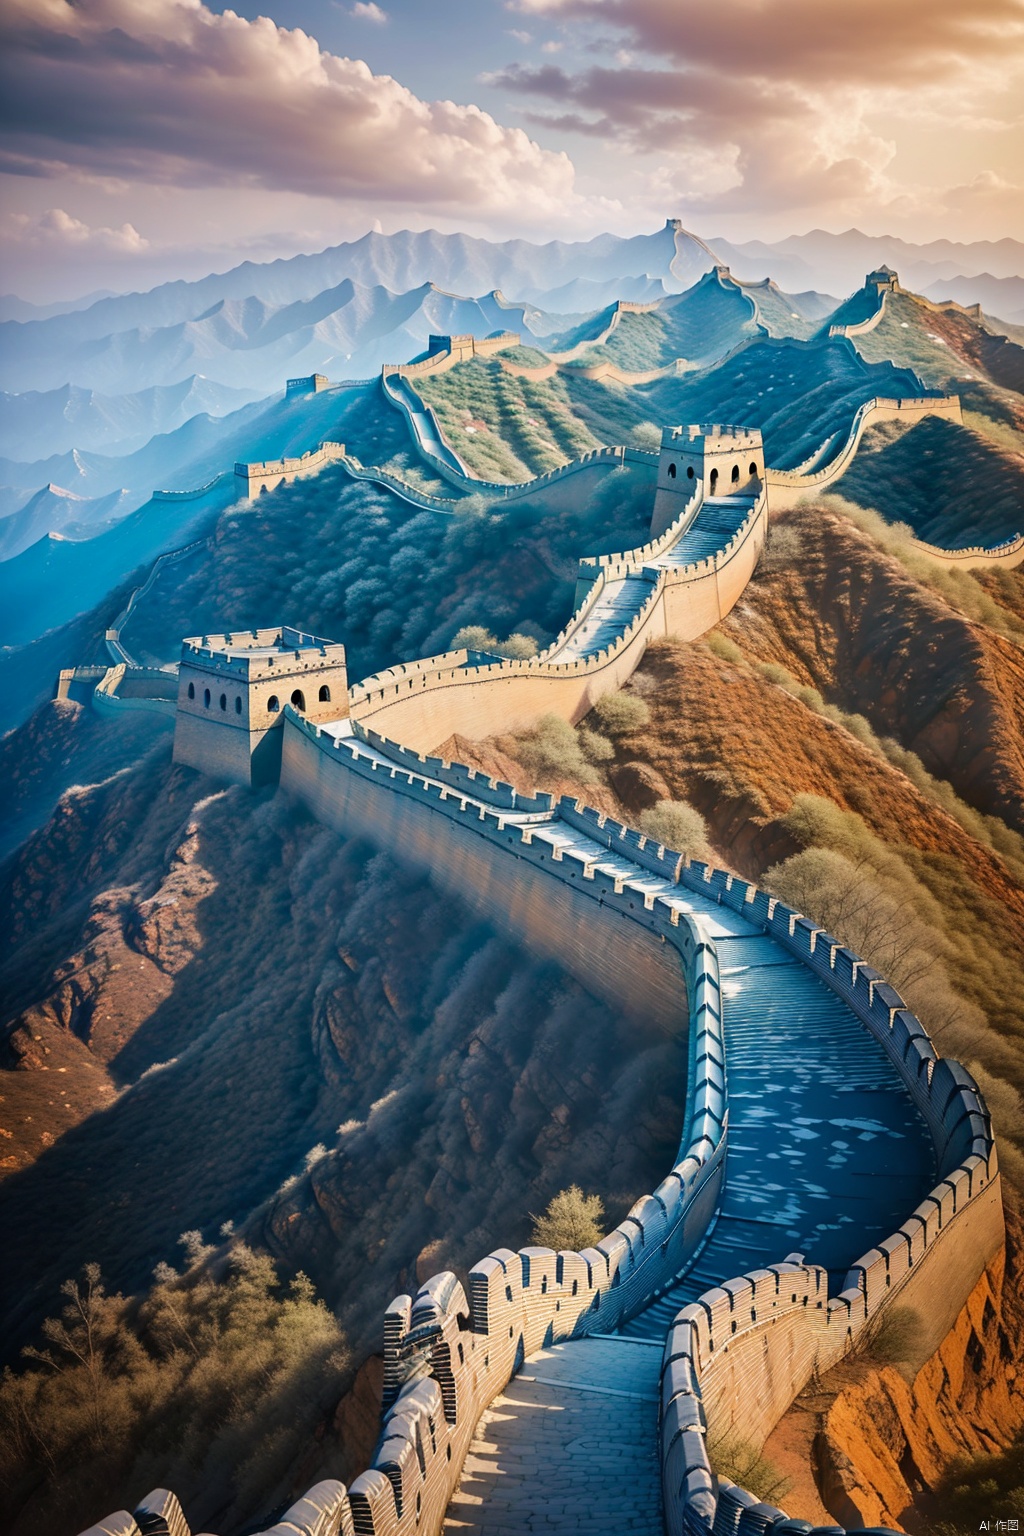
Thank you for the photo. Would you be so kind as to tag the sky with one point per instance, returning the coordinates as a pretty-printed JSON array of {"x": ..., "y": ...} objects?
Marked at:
[{"x": 142, "y": 140}]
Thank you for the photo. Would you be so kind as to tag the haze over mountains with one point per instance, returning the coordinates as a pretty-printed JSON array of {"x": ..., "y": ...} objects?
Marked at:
[{"x": 107, "y": 402}]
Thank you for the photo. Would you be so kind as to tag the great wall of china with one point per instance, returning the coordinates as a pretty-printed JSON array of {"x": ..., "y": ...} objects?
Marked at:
[{"x": 698, "y": 1314}]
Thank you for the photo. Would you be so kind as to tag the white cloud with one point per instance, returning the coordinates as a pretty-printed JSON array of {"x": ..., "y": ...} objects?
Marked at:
[
  {"x": 810, "y": 101},
  {"x": 369, "y": 12},
  {"x": 55, "y": 229},
  {"x": 169, "y": 91}
]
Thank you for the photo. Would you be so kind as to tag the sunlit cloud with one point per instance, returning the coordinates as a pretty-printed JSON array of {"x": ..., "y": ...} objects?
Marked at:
[
  {"x": 170, "y": 91},
  {"x": 56, "y": 229},
  {"x": 788, "y": 93}
]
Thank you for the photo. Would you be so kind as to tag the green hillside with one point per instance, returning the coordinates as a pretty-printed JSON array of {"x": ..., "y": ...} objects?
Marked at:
[
  {"x": 503, "y": 426},
  {"x": 953, "y": 486}
]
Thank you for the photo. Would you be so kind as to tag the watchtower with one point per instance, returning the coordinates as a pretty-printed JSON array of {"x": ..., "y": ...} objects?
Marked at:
[
  {"x": 232, "y": 690},
  {"x": 722, "y": 460}
]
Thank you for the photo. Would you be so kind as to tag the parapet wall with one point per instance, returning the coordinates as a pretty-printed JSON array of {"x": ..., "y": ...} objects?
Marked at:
[
  {"x": 253, "y": 479},
  {"x": 787, "y": 486},
  {"x": 113, "y": 634},
  {"x": 446, "y": 351},
  {"x": 862, "y": 327},
  {"x": 438, "y": 830},
  {"x": 223, "y": 479},
  {"x": 112, "y": 690},
  {"x": 424, "y": 704},
  {"x": 149, "y": 689},
  {"x": 1008, "y": 555},
  {"x": 736, "y": 1358}
]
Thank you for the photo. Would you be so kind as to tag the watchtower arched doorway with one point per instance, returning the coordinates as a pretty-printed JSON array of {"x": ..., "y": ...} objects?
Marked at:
[{"x": 299, "y": 699}]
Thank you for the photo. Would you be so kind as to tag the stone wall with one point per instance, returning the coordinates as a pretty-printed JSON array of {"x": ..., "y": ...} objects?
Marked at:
[
  {"x": 422, "y": 704},
  {"x": 266, "y": 475},
  {"x": 736, "y": 1358},
  {"x": 861, "y": 327},
  {"x": 1008, "y": 555},
  {"x": 788, "y": 486},
  {"x": 149, "y": 689},
  {"x": 113, "y": 634},
  {"x": 218, "y": 481}
]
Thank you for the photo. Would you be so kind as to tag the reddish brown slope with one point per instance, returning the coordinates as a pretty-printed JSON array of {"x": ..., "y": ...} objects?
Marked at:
[{"x": 855, "y": 624}]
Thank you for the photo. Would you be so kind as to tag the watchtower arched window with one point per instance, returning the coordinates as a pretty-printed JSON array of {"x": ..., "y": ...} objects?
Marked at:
[
  {"x": 224, "y": 701},
  {"x": 689, "y": 471},
  {"x": 298, "y": 699},
  {"x": 671, "y": 471},
  {"x": 191, "y": 690},
  {"x": 714, "y": 479},
  {"x": 238, "y": 705},
  {"x": 325, "y": 694},
  {"x": 753, "y": 468},
  {"x": 273, "y": 704},
  {"x": 735, "y": 474},
  {"x": 206, "y": 697}
]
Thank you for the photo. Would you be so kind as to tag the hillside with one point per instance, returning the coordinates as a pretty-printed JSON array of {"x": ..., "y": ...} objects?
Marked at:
[
  {"x": 394, "y": 581},
  {"x": 55, "y": 578},
  {"x": 508, "y": 426},
  {"x": 359, "y": 1076},
  {"x": 952, "y": 485},
  {"x": 285, "y": 1006},
  {"x": 943, "y": 346}
]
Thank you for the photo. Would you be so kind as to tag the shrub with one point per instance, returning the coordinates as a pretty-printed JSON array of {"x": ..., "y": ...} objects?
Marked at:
[
  {"x": 474, "y": 637},
  {"x": 595, "y": 747},
  {"x": 552, "y": 750},
  {"x": 993, "y": 1484},
  {"x": 776, "y": 673},
  {"x": 518, "y": 647},
  {"x": 743, "y": 1463},
  {"x": 897, "y": 1339},
  {"x": 210, "y": 1387},
  {"x": 678, "y": 826},
  {"x": 572, "y": 1220},
  {"x": 646, "y": 435},
  {"x": 784, "y": 547},
  {"x": 723, "y": 647},
  {"x": 620, "y": 714}
]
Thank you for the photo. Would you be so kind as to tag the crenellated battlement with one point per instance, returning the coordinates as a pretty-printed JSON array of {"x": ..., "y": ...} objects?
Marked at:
[
  {"x": 642, "y": 925},
  {"x": 232, "y": 690}
]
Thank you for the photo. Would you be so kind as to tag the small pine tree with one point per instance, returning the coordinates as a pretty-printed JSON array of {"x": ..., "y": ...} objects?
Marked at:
[{"x": 572, "y": 1220}]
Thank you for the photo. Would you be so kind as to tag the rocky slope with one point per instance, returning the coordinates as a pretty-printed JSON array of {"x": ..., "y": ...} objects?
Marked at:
[
  {"x": 252, "y": 1021},
  {"x": 871, "y": 1442}
]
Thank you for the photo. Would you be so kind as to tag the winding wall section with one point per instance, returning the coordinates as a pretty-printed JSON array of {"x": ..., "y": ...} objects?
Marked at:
[{"x": 735, "y": 1354}]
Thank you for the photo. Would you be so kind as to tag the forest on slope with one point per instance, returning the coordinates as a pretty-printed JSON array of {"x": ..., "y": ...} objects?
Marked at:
[{"x": 254, "y": 1071}]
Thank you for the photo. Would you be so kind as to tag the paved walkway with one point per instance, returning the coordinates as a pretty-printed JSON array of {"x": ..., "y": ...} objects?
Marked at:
[{"x": 571, "y": 1445}]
